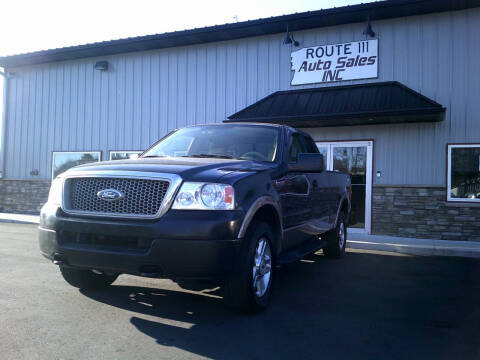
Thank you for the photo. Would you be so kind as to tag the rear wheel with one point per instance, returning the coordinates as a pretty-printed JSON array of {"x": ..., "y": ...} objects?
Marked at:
[
  {"x": 337, "y": 239},
  {"x": 249, "y": 288},
  {"x": 86, "y": 279}
]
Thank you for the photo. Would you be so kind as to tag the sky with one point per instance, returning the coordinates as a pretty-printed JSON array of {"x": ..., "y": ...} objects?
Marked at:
[{"x": 38, "y": 25}]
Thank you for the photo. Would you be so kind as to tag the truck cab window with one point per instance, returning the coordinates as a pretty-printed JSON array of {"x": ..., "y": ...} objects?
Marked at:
[
  {"x": 296, "y": 147},
  {"x": 310, "y": 145}
]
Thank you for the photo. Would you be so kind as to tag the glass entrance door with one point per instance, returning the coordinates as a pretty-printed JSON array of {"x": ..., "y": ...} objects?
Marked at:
[{"x": 354, "y": 158}]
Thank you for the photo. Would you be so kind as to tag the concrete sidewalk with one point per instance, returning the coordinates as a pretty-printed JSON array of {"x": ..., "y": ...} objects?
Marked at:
[
  {"x": 19, "y": 218},
  {"x": 425, "y": 247}
]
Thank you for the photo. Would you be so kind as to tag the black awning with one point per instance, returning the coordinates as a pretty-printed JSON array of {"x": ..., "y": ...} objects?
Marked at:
[{"x": 363, "y": 104}]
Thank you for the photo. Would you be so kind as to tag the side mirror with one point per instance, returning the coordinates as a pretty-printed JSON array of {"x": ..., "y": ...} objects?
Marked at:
[{"x": 307, "y": 162}]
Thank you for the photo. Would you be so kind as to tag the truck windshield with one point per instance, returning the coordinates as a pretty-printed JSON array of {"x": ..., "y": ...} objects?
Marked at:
[{"x": 246, "y": 142}]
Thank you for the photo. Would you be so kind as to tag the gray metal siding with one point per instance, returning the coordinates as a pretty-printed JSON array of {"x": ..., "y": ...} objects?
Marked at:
[
  {"x": 435, "y": 55},
  {"x": 70, "y": 106}
]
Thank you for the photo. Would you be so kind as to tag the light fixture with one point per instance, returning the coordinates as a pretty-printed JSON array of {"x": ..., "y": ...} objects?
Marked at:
[
  {"x": 368, "y": 29},
  {"x": 289, "y": 39},
  {"x": 7, "y": 74},
  {"x": 101, "y": 65}
]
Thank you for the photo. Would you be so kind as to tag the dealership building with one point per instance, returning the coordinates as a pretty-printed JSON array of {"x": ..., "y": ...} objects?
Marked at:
[{"x": 389, "y": 91}]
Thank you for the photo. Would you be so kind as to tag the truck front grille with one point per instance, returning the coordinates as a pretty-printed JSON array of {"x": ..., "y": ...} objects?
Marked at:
[{"x": 140, "y": 197}]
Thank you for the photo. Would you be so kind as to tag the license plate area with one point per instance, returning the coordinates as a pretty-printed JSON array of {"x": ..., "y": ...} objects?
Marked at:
[{"x": 105, "y": 242}]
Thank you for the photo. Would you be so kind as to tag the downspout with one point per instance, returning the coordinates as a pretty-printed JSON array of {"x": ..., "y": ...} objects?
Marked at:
[{"x": 3, "y": 123}]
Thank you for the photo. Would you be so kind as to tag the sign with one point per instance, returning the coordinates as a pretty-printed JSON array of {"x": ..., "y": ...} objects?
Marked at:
[{"x": 337, "y": 62}]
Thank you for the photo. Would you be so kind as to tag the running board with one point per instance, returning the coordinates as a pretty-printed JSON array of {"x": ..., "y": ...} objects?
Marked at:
[{"x": 301, "y": 251}]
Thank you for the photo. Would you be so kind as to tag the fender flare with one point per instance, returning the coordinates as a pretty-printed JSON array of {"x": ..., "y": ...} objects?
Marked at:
[{"x": 257, "y": 204}]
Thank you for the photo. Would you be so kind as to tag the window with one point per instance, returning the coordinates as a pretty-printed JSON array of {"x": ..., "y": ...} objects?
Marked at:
[
  {"x": 64, "y": 160},
  {"x": 311, "y": 146},
  {"x": 463, "y": 181},
  {"x": 246, "y": 142},
  {"x": 301, "y": 144},
  {"x": 122, "y": 155},
  {"x": 297, "y": 147}
]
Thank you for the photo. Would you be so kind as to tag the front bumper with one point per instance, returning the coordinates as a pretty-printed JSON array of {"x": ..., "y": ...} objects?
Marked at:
[{"x": 181, "y": 244}]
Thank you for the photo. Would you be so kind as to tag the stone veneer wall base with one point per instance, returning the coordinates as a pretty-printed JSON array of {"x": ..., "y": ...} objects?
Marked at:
[
  {"x": 23, "y": 196},
  {"x": 422, "y": 212}
]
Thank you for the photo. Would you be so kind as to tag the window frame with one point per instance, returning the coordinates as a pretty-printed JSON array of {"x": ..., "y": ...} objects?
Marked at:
[
  {"x": 139, "y": 152},
  {"x": 451, "y": 146},
  {"x": 72, "y": 152}
]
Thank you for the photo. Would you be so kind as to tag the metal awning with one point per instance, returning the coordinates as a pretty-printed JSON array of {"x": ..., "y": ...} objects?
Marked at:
[{"x": 363, "y": 104}]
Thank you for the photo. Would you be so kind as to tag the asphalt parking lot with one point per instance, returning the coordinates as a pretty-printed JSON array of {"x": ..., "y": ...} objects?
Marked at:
[{"x": 369, "y": 305}]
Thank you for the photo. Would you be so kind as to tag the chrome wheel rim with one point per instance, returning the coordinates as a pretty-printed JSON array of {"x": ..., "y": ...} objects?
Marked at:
[
  {"x": 341, "y": 235},
  {"x": 262, "y": 267}
]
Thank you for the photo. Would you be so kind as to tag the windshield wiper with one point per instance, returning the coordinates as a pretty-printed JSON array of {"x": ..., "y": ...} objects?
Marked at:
[
  {"x": 218, "y": 156},
  {"x": 153, "y": 156}
]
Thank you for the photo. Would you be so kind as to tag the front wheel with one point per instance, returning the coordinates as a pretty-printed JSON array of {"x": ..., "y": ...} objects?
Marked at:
[
  {"x": 86, "y": 279},
  {"x": 249, "y": 288},
  {"x": 337, "y": 239}
]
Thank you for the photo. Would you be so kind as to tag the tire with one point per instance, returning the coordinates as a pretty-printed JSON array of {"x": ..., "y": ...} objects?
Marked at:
[
  {"x": 86, "y": 279},
  {"x": 337, "y": 239},
  {"x": 249, "y": 288}
]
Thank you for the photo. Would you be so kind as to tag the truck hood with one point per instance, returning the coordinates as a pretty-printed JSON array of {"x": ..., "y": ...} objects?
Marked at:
[{"x": 190, "y": 169}]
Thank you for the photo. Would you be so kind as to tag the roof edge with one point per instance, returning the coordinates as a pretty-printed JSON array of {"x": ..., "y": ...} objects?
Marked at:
[{"x": 266, "y": 26}]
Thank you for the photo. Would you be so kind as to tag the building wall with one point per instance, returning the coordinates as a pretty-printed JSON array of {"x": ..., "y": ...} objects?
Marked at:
[
  {"x": 70, "y": 106},
  {"x": 23, "y": 196},
  {"x": 421, "y": 212}
]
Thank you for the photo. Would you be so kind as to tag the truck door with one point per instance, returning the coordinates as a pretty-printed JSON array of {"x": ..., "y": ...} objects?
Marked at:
[
  {"x": 294, "y": 190},
  {"x": 322, "y": 194}
]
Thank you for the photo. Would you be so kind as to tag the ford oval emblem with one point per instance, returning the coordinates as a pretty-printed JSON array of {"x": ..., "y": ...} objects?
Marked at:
[{"x": 110, "y": 195}]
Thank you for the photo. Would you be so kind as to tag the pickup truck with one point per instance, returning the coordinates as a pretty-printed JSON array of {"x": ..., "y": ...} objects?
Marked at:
[{"x": 224, "y": 202}]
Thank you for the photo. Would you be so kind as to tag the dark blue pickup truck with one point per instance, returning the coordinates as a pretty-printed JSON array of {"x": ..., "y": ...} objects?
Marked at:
[{"x": 225, "y": 202}]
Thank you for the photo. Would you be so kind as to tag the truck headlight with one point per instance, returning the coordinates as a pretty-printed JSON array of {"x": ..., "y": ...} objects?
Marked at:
[
  {"x": 204, "y": 196},
  {"x": 55, "y": 194}
]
